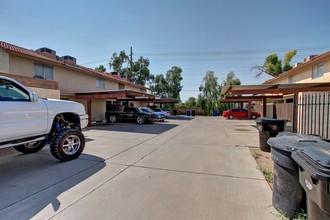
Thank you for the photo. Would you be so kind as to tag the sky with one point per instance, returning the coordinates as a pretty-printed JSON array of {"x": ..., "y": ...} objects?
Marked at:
[{"x": 196, "y": 35}]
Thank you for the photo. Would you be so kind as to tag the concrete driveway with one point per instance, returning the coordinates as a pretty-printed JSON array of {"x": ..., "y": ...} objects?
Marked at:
[{"x": 183, "y": 168}]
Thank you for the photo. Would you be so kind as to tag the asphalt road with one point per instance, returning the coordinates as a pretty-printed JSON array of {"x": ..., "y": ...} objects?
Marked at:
[{"x": 182, "y": 168}]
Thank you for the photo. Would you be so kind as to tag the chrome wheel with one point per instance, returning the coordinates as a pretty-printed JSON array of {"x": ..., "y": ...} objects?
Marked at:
[
  {"x": 71, "y": 144},
  {"x": 140, "y": 120},
  {"x": 112, "y": 119}
]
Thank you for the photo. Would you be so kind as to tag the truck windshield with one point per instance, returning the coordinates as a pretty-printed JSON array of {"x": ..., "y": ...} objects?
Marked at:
[{"x": 145, "y": 109}]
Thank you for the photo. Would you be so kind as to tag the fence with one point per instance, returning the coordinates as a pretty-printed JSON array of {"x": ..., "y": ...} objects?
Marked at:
[
  {"x": 313, "y": 113},
  {"x": 285, "y": 111}
]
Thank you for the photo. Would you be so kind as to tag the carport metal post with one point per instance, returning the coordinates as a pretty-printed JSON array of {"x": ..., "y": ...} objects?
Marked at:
[
  {"x": 249, "y": 109},
  {"x": 264, "y": 107},
  {"x": 89, "y": 112}
]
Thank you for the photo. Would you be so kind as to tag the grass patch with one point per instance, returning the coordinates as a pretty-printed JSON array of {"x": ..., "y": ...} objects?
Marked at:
[
  {"x": 267, "y": 173},
  {"x": 300, "y": 216},
  {"x": 256, "y": 155}
]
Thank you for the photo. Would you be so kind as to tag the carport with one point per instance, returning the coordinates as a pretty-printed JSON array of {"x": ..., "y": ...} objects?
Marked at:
[
  {"x": 249, "y": 93},
  {"x": 119, "y": 95},
  {"x": 161, "y": 101}
]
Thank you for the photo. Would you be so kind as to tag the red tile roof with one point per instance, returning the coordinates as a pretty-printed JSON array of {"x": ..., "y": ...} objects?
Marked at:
[{"x": 20, "y": 51}]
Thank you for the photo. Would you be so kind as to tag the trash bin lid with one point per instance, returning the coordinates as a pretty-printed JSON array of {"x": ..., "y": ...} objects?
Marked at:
[
  {"x": 290, "y": 142},
  {"x": 315, "y": 160},
  {"x": 269, "y": 120}
]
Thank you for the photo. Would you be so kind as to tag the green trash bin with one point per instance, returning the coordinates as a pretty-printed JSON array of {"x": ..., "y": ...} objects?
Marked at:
[{"x": 314, "y": 177}]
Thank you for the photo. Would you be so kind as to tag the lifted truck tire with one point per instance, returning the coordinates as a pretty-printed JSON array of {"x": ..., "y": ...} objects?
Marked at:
[
  {"x": 32, "y": 147},
  {"x": 68, "y": 144}
]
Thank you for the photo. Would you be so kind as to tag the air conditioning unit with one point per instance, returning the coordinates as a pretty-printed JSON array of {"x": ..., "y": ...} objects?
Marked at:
[
  {"x": 310, "y": 57},
  {"x": 296, "y": 65}
]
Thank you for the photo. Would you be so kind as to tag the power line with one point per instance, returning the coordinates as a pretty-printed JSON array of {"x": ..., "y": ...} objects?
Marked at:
[
  {"x": 204, "y": 54},
  {"x": 237, "y": 51}
]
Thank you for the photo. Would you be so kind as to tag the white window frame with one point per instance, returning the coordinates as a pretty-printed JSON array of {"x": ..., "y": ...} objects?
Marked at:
[
  {"x": 317, "y": 70},
  {"x": 46, "y": 71},
  {"x": 100, "y": 83}
]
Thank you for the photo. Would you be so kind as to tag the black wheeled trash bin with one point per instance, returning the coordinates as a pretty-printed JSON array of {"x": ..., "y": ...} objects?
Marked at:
[
  {"x": 268, "y": 127},
  {"x": 193, "y": 113},
  {"x": 174, "y": 112},
  {"x": 314, "y": 176},
  {"x": 288, "y": 195}
]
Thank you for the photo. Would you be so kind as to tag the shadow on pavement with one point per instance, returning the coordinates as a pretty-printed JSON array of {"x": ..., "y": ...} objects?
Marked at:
[
  {"x": 154, "y": 128},
  {"x": 29, "y": 183},
  {"x": 181, "y": 117}
]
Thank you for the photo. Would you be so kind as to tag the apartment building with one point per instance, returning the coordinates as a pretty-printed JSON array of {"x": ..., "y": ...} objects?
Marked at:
[
  {"x": 314, "y": 69},
  {"x": 53, "y": 76}
]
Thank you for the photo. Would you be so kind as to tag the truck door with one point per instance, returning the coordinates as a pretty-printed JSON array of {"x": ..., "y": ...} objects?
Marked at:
[
  {"x": 20, "y": 116},
  {"x": 129, "y": 113}
]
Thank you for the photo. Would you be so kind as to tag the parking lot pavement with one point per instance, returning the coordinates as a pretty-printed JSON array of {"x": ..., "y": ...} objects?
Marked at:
[{"x": 197, "y": 168}]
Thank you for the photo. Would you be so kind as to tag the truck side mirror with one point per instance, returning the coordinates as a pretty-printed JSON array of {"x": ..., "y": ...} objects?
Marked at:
[{"x": 34, "y": 97}]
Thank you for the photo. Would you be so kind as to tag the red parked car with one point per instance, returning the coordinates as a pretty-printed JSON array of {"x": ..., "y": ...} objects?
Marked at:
[{"x": 239, "y": 113}]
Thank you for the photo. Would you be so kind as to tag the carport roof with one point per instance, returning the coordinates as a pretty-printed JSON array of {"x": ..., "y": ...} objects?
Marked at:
[
  {"x": 275, "y": 88},
  {"x": 115, "y": 94},
  {"x": 162, "y": 101}
]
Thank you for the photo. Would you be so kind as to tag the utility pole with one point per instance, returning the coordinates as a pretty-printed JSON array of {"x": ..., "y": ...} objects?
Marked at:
[{"x": 131, "y": 61}]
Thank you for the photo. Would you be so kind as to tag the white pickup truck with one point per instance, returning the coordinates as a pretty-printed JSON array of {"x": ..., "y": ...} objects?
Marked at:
[{"x": 28, "y": 122}]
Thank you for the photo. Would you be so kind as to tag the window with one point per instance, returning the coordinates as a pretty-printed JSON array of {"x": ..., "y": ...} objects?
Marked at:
[
  {"x": 12, "y": 92},
  {"x": 100, "y": 83},
  {"x": 121, "y": 86},
  {"x": 317, "y": 71},
  {"x": 43, "y": 71},
  {"x": 291, "y": 79}
]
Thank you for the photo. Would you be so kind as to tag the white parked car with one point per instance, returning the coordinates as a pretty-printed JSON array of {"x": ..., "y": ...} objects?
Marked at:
[
  {"x": 160, "y": 115},
  {"x": 29, "y": 122},
  {"x": 166, "y": 113}
]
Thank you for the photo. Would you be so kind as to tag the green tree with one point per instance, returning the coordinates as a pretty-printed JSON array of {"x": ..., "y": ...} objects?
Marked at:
[
  {"x": 273, "y": 64},
  {"x": 210, "y": 93},
  {"x": 159, "y": 86},
  {"x": 200, "y": 102},
  {"x": 137, "y": 72},
  {"x": 287, "y": 59},
  {"x": 140, "y": 73},
  {"x": 101, "y": 69},
  {"x": 231, "y": 79},
  {"x": 191, "y": 102},
  {"x": 117, "y": 61},
  {"x": 168, "y": 86},
  {"x": 174, "y": 78}
]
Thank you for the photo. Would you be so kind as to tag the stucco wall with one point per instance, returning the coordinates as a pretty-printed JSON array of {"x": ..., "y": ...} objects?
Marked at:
[
  {"x": 21, "y": 66},
  {"x": 71, "y": 82},
  {"x": 304, "y": 75},
  {"x": 129, "y": 87},
  {"x": 98, "y": 109},
  {"x": 4, "y": 61},
  {"x": 324, "y": 78},
  {"x": 47, "y": 93}
]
